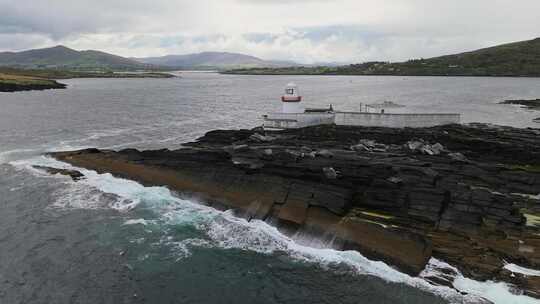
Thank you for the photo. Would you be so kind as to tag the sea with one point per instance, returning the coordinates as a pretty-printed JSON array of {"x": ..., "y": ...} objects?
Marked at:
[{"x": 110, "y": 240}]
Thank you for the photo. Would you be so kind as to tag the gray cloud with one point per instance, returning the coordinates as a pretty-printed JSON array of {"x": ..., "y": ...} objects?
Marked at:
[{"x": 302, "y": 30}]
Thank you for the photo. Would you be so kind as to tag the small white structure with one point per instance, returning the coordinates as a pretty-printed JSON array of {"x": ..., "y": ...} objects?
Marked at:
[
  {"x": 291, "y": 100},
  {"x": 294, "y": 115}
]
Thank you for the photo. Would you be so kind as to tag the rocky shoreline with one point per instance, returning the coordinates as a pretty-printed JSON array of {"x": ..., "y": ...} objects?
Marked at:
[
  {"x": 39, "y": 86},
  {"x": 465, "y": 194},
  {"x": 532, "y": 104}
]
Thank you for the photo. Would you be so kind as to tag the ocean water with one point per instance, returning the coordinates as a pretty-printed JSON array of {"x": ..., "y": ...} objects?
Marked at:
[{"x": 109, "y": 240}]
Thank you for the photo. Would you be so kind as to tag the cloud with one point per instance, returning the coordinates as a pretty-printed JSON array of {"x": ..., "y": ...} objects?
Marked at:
[{"x": 302, "y": 30}]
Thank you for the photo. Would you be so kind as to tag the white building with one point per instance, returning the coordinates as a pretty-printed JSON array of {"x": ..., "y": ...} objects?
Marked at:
[{"x": 294, "y": 115}]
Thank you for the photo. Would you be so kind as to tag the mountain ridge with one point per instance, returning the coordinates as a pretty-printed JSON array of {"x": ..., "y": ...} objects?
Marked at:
[
  {"x": 212, "y": 59},
  {"x": 63, "y": 57}
]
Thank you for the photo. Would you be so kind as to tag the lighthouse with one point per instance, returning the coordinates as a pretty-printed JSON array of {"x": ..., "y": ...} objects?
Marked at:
[
  {"x": 293, "y": 115},
  {"x": 291, "y": 100}
]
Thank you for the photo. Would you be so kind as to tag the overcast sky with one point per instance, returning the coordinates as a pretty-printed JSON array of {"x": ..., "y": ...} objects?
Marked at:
[{"x": 301, "y": 30}]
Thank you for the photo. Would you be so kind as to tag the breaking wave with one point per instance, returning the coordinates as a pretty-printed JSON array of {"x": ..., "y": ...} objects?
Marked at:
[{"x": 224, "y": 230}]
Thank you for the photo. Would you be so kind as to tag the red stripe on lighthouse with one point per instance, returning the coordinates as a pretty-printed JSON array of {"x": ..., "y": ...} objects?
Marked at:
[{"x": 291, "y": 99}]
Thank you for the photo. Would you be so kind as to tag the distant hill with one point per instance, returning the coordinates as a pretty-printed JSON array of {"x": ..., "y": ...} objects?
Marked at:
[
  {"x": 514, "y": 59},
  {"x": 61, "y": 57},
  {"x": 212, "y": 60}
]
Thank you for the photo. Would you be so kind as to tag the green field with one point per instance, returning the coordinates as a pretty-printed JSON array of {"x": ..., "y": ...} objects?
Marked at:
[{"x": 12, "y": 83}]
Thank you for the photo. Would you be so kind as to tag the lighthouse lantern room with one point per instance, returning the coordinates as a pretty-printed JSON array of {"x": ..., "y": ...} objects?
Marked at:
[{"x": 292, "y": 101}]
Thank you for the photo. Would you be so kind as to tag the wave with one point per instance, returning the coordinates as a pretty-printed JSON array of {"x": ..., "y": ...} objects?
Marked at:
[
  {"x": 224, "y": 230},
  {"x": 9, "y": 156}
]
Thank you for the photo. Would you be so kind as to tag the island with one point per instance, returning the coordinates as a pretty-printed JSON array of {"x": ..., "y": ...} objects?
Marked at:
[
  {"x": 464, "y": 194},
  {"x": 12, "y": 80}
]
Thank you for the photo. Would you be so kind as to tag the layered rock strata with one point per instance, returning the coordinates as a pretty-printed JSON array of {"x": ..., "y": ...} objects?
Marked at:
[{"x": 467, "y": 195}]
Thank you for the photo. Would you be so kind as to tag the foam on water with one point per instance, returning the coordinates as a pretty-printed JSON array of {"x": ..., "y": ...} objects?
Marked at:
[
  {"x": 522, "y": 270},
  {"x": 8, "y": 156},
  {"x": 497, "y": 292},
  {"x": 136, "y": 222},
  {"x": 225, "y": 230}
]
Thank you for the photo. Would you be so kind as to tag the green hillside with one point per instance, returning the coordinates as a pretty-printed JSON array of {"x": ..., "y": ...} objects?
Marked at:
[
  {"x": 514, "y": 59},
  {"x": 61, "y": 57}
]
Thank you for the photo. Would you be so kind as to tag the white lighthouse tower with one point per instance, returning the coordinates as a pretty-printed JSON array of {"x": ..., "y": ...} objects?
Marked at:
[{"x": 292, "y": 101}]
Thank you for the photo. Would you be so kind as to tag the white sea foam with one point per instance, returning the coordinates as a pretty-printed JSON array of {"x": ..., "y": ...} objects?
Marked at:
[
  {"x": 182, "y": 250},
  {"x": 497, "y": 292},
  {"x": 227, "y": 231},
  {"x": 522, "y": 270},
  {"x": 136, "y": 222},
  {"x": 8, "y": 156},
  {"x": 94, "y": 135}
]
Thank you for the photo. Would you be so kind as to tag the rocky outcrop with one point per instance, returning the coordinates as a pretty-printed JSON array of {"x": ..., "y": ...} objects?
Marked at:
[
  {"x": 15, "y": 87},
  {"x": 462, "y": 194},
  {"x": 74, "y": 174},
  {"x": 533, "y": 104}
]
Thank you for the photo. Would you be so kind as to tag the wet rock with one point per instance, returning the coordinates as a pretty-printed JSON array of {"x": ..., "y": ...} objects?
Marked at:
[
  {"x": 294, "y": 211},
  {"x": 330, "y": 173},
  {"x": 369, "y": 145},
  {"x": 240, "y": 148},
  {"x": 395, "y": 180},
  {"x": 305, "y": 149},
  {"x": 360, "y": 147},
  {"x": 324, "y": 153},
  {"x": 422, "y": 147},
  {"x": 267, "y": 154},
  {"x": 438, "y": 148},
  {"x": 373, "y": 189},
  {"x": 533, "y": 104},
  {"x": 261, "y": 138},
  {"x": 74, "y": 174},
  {"x": 457, "y": 157},
  {"x": 376, "y": 241},
  {"x": 414, "y": 145}
]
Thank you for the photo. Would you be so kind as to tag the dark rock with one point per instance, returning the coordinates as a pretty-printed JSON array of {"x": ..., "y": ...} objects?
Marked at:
[
  {"x": 294, "y": 211},
  {"x": 330, "y": 173},
  {"x": 15, "y": 87},
  {"x": 533, "y": 104},
  {"x": 373, "y": 189},
  {"x": 324, "y": 153},
  {"x": 261, "y": 138},
  {"x": 74, "y": 174},
  {"x": 457, "y": 157}
]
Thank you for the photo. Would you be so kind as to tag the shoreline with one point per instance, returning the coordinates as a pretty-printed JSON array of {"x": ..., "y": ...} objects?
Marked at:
[
  {"x": 386, "y": 75},
  {"x": 12, "y": 80},
  {"x": 369, "y": 189},
  {"x": 11, "y": 88},
  {"x": 16, "y": 83}
]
